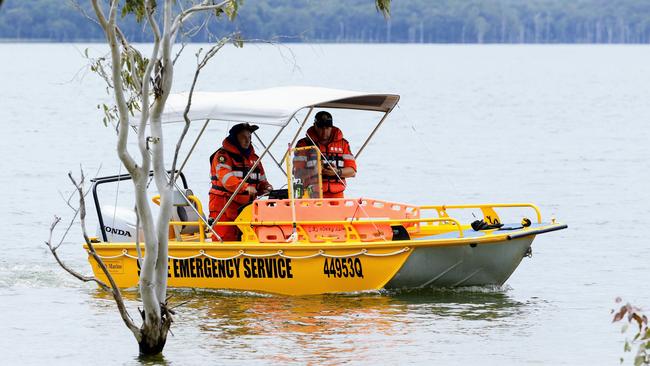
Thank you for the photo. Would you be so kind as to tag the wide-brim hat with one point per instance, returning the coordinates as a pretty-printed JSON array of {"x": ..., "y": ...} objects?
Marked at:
[{"x": 234, "y": 130}]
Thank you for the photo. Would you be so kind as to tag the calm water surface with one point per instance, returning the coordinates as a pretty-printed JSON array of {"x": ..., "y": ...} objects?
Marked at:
[{"x": 562, "y": 126}]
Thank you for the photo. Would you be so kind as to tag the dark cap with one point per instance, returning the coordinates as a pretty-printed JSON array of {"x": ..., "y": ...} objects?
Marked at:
[
  {"x": 323, "y": 119},
  {"x": 241, "y": 127}
]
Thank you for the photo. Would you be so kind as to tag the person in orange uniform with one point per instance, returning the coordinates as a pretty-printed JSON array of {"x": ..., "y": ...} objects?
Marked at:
[
  {"x": 339, "y": 162},
  {"x": 228, "y": 166}
]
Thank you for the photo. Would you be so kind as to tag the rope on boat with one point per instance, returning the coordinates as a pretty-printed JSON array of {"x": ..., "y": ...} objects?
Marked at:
[
  {"x": 192, "y": 256},
  {"x": 405, "y": 249},
  {"x": 363, "y": 251},
  {"x": 279, "y": 253},
  {"x": 124, "y": 253}
]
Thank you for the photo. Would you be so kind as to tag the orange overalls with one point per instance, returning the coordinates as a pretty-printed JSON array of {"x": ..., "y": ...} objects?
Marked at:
[
  {"x": 227, "y": 169},
  {"x": 339, "y": 155}
]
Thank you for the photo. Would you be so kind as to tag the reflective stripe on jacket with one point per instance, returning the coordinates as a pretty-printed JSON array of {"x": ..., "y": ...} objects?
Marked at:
[
  {"x": 227, "y": 169},
  {"x": 337, "y": 152}
]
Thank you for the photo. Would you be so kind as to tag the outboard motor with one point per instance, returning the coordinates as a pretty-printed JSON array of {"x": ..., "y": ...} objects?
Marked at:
[{"x": 119, "y": 224}]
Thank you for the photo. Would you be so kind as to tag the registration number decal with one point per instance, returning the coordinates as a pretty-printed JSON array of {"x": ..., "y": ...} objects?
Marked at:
[{"x": 343, "y": 268}]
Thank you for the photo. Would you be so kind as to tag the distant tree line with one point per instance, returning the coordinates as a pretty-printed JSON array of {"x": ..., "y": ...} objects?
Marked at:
[{"x": 412, "y": 21}]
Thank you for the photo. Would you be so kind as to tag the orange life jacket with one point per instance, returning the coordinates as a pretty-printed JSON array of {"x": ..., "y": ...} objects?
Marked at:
[
  {"x": 228, "y": 166},
  {"x": 336, "y": 151}
]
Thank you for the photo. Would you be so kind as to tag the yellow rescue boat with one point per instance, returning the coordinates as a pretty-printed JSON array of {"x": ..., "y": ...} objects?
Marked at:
[{"x": 297, "y": 243}]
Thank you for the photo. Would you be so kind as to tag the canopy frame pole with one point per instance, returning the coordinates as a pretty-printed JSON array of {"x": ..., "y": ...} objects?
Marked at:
[
  {"x": 372, "y": 134},
  {"x": 189, "y": 154},
  {"x": 286, "y": 154},
  {"x": 250, "y": 171},
  {"x": 270, "y": 153}
]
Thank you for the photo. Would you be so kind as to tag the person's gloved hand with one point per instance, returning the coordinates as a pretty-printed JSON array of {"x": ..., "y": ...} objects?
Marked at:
[
  {"x": 266, "y": 190},
  {"x": 251, "y": 191},
  {"x": 328, "y": 171}
]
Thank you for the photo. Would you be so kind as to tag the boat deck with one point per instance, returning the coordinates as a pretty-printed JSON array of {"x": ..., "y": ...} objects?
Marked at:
[
  {"x": 471, "y": 233},
  {"x": 451, "y": 232}
]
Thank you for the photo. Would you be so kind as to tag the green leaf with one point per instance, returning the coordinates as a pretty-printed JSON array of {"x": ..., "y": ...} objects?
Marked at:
[
  {"x": 137, "y": 8},
  {"x": 639, "y": 360},
  {"x": 383, "y": 6},
  {"x": 231, "y": 9}
]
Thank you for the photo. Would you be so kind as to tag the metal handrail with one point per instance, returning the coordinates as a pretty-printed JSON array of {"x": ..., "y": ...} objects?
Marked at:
[
  {"x": 364, "y": 221},
  {"x": 486, "y": 205},
  {"x": 344, "y": 222}
]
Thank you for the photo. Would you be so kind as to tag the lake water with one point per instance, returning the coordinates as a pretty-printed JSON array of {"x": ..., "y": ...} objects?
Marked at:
[{"x": 565, "y": 127}]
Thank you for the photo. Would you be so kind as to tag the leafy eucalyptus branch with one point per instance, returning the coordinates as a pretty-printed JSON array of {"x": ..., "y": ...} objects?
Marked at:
[{"x": 633, "y": 316}]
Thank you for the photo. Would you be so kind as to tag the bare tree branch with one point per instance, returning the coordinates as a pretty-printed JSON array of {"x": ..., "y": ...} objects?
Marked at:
[
  {"x": 201, "y": 63},
  {"x": 277, "y": 41},
  {"x": 74, "y": 273},
  {"x": 74, "y": 217},
  {"x": 100, "y": 14},
  {"x": 194, "y": 30},
  {"x": 184, "y": 15},
  {"x": 109, "y": 27},
  {"x": 178, "y": 54},
  {"x": 113, "y": 288},
  {"x": 82, "y": 11},
  {"x": 117, "y": 295},
  {"x": 145, "y": 88}
]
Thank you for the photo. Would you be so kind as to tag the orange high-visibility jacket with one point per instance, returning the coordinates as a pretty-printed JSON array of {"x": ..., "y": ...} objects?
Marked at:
[
  {"x": 228, "y": 168},
  {"x": 337, "y": 152}
]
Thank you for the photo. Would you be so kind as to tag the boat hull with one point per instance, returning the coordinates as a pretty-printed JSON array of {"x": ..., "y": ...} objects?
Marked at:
[
  {"x": 281, "y": 270},
  {"x": 309, "y": 269},
  {"x": 463, "y": 265}
]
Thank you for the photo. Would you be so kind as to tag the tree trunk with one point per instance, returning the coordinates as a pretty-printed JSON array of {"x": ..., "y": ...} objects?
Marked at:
[{"x": 154, "y": 333}]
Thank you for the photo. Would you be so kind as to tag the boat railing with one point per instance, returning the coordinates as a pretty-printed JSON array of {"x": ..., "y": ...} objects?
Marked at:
[
  {"x": 352, "y": 234},
  {"x": 348, "y": 224},
  {"x": 489, "y": 214}
]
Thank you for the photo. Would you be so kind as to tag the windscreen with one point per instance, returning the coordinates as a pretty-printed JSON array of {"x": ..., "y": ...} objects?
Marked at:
[{"x": 306, "y": 173}]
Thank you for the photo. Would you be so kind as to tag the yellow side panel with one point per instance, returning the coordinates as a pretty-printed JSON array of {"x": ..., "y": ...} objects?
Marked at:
[{"x": 273, "y": 274}]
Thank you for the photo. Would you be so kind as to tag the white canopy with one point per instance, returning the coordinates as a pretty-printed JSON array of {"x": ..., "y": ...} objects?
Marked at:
[{"x": 273, "y": 106}]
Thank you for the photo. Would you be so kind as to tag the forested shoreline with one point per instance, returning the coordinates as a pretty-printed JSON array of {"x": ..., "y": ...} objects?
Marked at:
[{"x": 412, "y": 21}]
